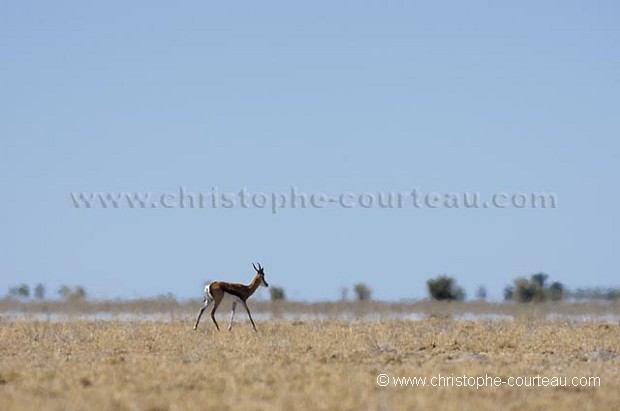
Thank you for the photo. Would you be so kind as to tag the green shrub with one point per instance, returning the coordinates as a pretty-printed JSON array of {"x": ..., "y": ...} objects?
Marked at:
[
  {"x": 277, "y": 294},
  {"x": 74, "y": 293},
  {"x": 21, "y": 291},
  {"x": 556, "y": 291},
  {"x": 481, "y": 293},
  {"x": 445, "y": 288},
  {"x": 534, "y": 289},
  {"x": 362, "y": 292},
  {"x": 524, "y": 290},
  {"x": 509, "y": 293}
]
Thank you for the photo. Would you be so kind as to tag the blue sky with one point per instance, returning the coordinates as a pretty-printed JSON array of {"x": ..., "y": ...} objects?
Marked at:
[{"x": 324, "y": 96}]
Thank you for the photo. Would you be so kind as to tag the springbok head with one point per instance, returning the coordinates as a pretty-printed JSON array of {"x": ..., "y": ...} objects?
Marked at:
[{"x": 260, "y": 272}]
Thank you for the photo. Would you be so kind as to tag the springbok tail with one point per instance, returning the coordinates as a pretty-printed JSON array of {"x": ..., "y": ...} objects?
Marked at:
[{"x": 208, "y": 293}]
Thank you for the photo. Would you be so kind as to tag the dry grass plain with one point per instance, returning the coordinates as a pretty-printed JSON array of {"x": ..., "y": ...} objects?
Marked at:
[{"x": 327, "y": 365}]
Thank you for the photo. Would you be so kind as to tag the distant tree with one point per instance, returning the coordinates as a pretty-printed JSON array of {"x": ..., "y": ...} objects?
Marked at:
[
  {"x": 72, "y": 293},
  {"x": 362, "y": 292},
  {"x": 445, "y": 288},
  {"x": 79, "y": 293},
  {"x": 578, "y": 294},
  {"x": 597, "y": 294},
  {"x": 21, "y": 291},
  {"x": 534, "y": 289},
  {"x": 277, "y": 293},
  {"x": 524, "y": 290},
  {"x": 39, "y": 292},
  {"x": 609, "y": 294},
  {"x": 613, "y": 294},
  {"x": 169, "y": 296},
  {"x": 556, "y": 291},
  {"x": 344, "y": 293},
  {"x": 540, "y": 279},
  {"x": 64, "y": 292},
  {"x": 509, "y": 292},
  {"x": 481, "y": 293}
]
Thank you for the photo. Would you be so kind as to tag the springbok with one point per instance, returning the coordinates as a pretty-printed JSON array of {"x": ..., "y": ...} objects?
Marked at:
[{"x": 217, "y": 290}]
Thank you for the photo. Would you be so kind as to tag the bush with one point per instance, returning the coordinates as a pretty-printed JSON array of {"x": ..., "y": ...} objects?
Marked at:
[
  {"x": 534, "y": 289},
  {"x": 556, "y": 291},
  {"x": 539, "y": 279},
  {"x": 609, "y": 294},
  {"x": 509, "y": 292},
  {"x": 524, "y": 290},
  {"x": 277, "y": 294},
  {"x": 344, "y": 294},
  {"x": 481, "y": 293},
  {"x": 39, "y": 292},
  {"x": 362, "y": 292},
  {"x": 75, "y": 293},
  {"x": 20, "y": 291},
  {"x": 445, "y": 288}
]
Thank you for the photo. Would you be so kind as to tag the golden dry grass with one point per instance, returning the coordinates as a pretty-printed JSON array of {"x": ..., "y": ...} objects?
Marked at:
[{"x": 330, "y": 365}]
